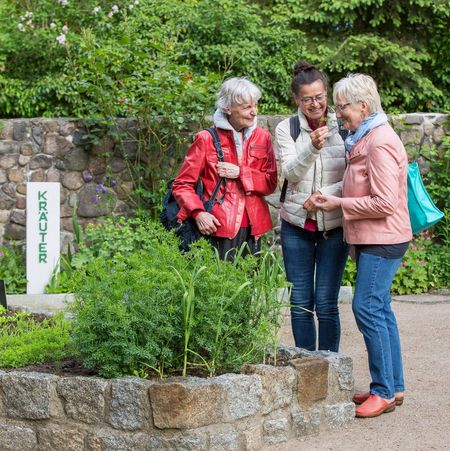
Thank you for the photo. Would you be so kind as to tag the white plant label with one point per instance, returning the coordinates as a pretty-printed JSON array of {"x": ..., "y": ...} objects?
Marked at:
[{"x": 43, "y": 227}]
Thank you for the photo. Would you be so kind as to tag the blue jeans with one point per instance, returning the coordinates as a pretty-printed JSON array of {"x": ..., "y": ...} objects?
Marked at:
[
  {"x": 314, "y": 265},
  {"x": 376, "y": 321}
]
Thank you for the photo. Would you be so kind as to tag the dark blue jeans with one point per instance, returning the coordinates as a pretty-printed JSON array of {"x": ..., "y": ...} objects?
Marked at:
[
  {"x": 376, "y": 321},
  {"x": 314, "y": 265}
]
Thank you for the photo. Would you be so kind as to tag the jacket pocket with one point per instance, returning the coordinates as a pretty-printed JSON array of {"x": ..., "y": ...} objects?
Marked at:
[
  {"x": 258, "y": 151},
  {"x": 352, "y": 155}
]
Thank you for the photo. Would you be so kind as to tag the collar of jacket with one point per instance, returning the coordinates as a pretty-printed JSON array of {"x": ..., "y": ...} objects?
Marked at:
[{"x": 221, "y": 121}]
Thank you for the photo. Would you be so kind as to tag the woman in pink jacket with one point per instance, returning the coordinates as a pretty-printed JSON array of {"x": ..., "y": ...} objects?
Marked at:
[{"x": 376, "y": 222}]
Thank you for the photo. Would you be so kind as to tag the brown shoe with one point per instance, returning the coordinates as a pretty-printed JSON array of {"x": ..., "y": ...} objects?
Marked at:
[
  {"x": 374, "y": 406},
  {"x": 359, "y": 398}
]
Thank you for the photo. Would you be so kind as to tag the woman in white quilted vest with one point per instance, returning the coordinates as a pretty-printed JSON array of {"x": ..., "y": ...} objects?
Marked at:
[{"x": 314, "y": 251}]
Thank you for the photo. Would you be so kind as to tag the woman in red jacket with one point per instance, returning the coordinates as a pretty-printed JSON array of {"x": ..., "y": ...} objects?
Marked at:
[
  {"x": 376, "y": 222},
  {"x": 239, "y": 214}
]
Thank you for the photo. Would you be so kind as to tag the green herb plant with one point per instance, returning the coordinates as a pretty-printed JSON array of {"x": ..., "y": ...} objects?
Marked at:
[
  {"x": 187, "y": 308},
  {"x": 269, "y": 280},
  {"x": 155, "y": 310},
  {"x": 25, "y": 341}
]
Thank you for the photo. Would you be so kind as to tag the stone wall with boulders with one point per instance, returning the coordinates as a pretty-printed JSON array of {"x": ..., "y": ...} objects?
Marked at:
[
  {"x": 264, "y": 405},
  {"x": 95, "y": 176}
]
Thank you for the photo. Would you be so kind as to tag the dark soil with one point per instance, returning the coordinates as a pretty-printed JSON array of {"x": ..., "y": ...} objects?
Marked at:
[
  {"x": 74, "y": 367},
  {"x": 67, "y": 367},
  {"x": 36, "y": 317}
]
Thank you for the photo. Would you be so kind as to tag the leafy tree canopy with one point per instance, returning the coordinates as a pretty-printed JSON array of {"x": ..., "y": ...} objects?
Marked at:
[{"x": 123, "y": 58}]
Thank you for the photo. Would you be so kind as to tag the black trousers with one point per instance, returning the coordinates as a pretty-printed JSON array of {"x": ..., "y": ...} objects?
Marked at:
[{"x": 227, "y": 247}]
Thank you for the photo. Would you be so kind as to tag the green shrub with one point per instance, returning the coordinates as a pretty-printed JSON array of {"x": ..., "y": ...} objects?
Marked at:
[
  {"x": 160, "y": 57},
  {"x": 154, "y": 309},
  {"x": 425, "y": 266},
  {"x": 436, "y": 181},
  {"x": 12, "y": 269},
  {"x": 161, "y": 62},
  {"x": 113, "y": 239},
  {"x": 24, "y": 341},
  {"x": 349, "y": 277}
]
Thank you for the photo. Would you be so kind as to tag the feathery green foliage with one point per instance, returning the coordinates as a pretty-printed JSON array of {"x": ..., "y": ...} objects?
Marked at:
[
  {"x": 24, "y": 341},
  {"x": 152, "y": 308}
]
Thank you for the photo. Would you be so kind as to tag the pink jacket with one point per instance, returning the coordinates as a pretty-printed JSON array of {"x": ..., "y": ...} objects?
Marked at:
[{"x": 375, "y": 202}]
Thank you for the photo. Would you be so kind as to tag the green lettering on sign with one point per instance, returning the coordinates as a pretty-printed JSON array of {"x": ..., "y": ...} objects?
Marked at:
[
  {"x": 42, "y": 226},
  {"x": 42, "y": 206}
]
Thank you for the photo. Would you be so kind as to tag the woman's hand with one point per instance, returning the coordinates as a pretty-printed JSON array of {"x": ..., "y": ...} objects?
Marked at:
[
  {"x": 319, "y": 136},
  {"x": 207, "y": 223},
  {"x": 327, "y": 203},
  {"x": 227, "y": 170},
  {"x": 309, "y": 203}
]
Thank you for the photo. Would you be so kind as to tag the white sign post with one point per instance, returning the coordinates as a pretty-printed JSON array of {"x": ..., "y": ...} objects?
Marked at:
[{"x": 43, "y": 249}]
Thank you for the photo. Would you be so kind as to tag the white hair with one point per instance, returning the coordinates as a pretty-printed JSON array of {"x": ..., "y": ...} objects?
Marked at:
[
  {"x": 236, "y": 90},
  {"x": 356, "y": 88}
]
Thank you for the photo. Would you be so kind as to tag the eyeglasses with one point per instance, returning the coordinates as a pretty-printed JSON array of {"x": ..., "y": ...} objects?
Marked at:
[
  {"x": 310, "y": 100},
  {"x": 341, "y": 108}
]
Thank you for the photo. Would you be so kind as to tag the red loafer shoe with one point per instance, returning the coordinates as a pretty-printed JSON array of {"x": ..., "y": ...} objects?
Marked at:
[
  {"x": 359, "y": 398},
  {"x": 373, "y": 407}
]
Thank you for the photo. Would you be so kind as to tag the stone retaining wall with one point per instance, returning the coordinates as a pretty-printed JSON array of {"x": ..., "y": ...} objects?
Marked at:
[
  {"x": 95, "y": 176},
  {"x": 264, "y": 405}
]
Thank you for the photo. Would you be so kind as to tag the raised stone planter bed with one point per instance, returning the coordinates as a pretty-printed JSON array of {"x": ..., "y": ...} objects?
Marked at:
[
  {"x": 264, "y": 405},
  {"x": 39, "y": 303}
]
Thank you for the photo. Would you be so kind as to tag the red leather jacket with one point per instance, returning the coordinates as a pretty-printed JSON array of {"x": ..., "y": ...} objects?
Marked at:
[{"x": 257, "y": 178}]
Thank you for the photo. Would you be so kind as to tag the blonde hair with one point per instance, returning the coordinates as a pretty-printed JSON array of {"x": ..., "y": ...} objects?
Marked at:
[{"x": 356, "y": 88}]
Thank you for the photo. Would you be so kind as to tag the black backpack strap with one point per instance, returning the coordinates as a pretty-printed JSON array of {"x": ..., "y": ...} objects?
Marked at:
[
  {"x": 283, "y": 191},
  {"x": 218, "y": 146},
  {"x": 294, "y": 128},
  {"x": 215, "y": 137},
  {"x": 210, "y": 203}
]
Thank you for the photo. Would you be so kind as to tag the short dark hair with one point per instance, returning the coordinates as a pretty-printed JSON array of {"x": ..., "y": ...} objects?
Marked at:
[{"x": 305, "y": 74}]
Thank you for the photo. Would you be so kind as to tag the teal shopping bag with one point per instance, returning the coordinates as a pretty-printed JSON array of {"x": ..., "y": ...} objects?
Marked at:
[{"x": 422, "y": 211}]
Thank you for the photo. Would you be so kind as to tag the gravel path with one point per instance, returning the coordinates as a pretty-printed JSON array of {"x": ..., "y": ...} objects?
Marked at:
[{"x": 423, "y": 421}]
